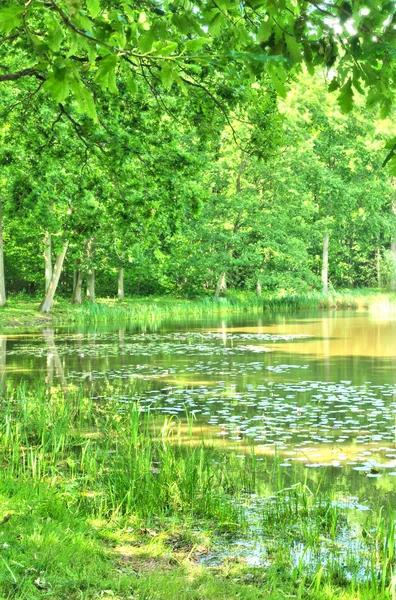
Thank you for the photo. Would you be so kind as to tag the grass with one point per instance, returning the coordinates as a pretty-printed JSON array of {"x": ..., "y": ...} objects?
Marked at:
[
  {"x": 21, "y": 312},
  {"x": 99, "y": 500}
]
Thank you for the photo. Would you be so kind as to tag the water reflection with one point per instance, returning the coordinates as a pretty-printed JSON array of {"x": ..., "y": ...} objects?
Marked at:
[
  {"x": 314, "y": 394},
  {"x": 319, "y": 389},
  {"x": 53, "y": 359}
]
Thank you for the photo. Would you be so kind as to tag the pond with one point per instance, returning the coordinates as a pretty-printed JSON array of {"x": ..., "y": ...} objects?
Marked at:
[{"x": 315, "y": 391}]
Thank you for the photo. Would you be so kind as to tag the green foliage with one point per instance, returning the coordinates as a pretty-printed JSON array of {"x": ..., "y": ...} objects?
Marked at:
[
  {"x": 172, "y": 43},
  {"x": 175, "y": 203},
  {"x": 10, "y": 17}
]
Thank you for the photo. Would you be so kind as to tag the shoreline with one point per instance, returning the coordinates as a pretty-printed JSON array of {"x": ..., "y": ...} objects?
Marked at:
[{"x": 24, "y": 313}]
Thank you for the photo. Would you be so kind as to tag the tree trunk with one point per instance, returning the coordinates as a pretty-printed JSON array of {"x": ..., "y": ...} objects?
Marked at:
[
  {"x": 121, "y": 283},
  {"x": 221, "y": 287},
  {"x": 393, "y": 265},
  {"x": 78, "y": 274},
  {"x": 258, "y": 288},
  {"x": 379, "y": 282},
  {"x": 325, "y": 264},
  {"x": 48, "y": 301},
  {"x": 77, "y": 284},
  {"x": 47, "y": 259},
  {"x": 91, "y": 285},
  {"x": 3, "y": 299},
  {"x": 89, "y": 250}
]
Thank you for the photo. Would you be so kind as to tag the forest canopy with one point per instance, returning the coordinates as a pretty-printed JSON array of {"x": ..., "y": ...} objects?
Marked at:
[{"x": 186, "y": 145}]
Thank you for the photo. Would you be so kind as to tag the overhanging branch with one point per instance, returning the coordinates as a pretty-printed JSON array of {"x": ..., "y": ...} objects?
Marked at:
[{"x": 23, "y": 73}]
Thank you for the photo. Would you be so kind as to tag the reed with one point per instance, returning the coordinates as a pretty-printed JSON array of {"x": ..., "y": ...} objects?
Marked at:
[
  {"x": 118, "y": 460},
  {"x": 78, "y": 474}
]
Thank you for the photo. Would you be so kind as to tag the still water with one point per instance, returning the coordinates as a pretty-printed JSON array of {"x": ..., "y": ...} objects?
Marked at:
[{"x": 317, "y": 390}]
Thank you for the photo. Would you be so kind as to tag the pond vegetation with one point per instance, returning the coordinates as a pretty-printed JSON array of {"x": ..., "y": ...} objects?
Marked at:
[
  {"x": 87, "y": 487},
  {"x": 209, "y": 458}
]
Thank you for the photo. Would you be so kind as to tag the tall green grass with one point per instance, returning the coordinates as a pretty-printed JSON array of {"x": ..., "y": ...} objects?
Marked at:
[
  {"x": 110, "y": 461},
  {"x": 108, "y": 311},
  {"x": 22, "y": 312},
  {"x": 114, "y": 460}
]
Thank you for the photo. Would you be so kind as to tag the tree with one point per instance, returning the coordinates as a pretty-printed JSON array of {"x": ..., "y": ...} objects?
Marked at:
[{"x": 70, "y": 47}]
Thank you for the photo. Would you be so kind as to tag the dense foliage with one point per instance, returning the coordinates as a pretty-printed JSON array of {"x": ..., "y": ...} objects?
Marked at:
[
  {"x": 175, "y": 206},
  {"x": 184, "y": 147}
]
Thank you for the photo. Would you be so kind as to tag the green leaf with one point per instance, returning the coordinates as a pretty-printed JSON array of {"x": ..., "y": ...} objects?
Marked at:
[
  {"x": 277, "y": 77},
  {"x": 391, "y": 144},
  {"x": 374, "y": 98},
  {"x": 91, "y": 51},
  {"x": 145, "y": 42},
  {"x": 333, "y": 85},
  {"x": 106, "y": 74},
  {"x": 216, "y": 24},
  {"x": 391, "y": 162},
  {"x": 181, "y": 85},
  {"x": 182, "y": 23},
  {"x": 196, "y": 44},
  {"x": 131, "y": 84},
  {"x": 264, "y": 31},
  {"x": 55, "y": 38},
  {"x": 293, "y": 48},
  {"x": 167, "y": 75},
  {"x": 84, "y": 99},
  {"x": 73, "y": 5},
  {"x": 167, "y": 49},
  {"x": 58, "y": 87},
  {"x": 10, "y": 17},
  {"x": 128, "y": 11},
  {"x": 345, "y": 98},
  {"x": 93, "y": 7}
]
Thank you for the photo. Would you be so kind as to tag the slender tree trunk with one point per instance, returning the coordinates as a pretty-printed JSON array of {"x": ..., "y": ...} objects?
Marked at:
[
  {"x": 75, "y": 274},
  {"x": 325, "y": 264},
  {"x": 48, "y": 301},
  {"x": 393, "y": 265},
  {"x": 91, "y": 285},
  {"x": 121, "y": 283},
  {"x": 47, "y": 259},
  {"x": 78, "y": 274},
  {"x": 379, "y": 282},
  {"x": 3, "y": 298},
  {"x": 77, "y": 283},
  {"x": 258, "y": 288},
  {"x": 221, "y": 287},
  {"x": 89, "y": 250}
]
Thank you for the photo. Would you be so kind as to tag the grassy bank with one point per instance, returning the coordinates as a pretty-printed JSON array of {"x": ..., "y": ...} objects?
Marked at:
[
  {"x": 22, "y": 312},
  {"x": 99, "y": 500}
]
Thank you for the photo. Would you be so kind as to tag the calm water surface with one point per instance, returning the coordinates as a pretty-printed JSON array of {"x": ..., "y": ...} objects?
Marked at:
[{"x": 318, "y": 389}]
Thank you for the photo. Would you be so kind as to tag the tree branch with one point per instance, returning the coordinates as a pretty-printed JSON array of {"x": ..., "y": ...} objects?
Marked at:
[{"x": 24, "y": 73}]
